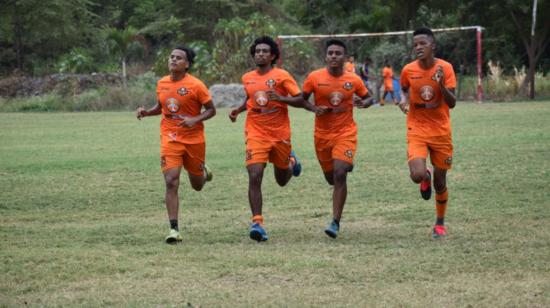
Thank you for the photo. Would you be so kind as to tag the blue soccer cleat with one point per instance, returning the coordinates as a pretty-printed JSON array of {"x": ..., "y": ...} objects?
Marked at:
[
  {"x": 297, "y": 169},
  {"x": 258, "y": 233},
  {"x": 332, "y": 229}
]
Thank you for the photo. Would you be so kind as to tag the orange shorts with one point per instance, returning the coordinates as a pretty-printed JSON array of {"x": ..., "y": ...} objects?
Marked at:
[
  {"x": 440, "y": 149},
  {"x": 177, "y": 154},
  {"x": 339, "y": 148},
  {"x": 262, "y": 151}
]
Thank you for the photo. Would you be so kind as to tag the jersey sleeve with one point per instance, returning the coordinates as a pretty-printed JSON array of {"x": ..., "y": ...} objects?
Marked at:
[
  {"x": 361, "y": 90},
  {"x": 450, "y": 77},
  {"x": 308, "y": 85},
  {"x": 404, "y": 79},
  {"x": 203, "y": 96},
  {"x": 291, "y": 86}
]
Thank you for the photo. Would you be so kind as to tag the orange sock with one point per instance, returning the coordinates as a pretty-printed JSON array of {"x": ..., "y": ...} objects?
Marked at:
[
  {"x": 258, "y": 219},
  {"x": 441, "y": 203}
]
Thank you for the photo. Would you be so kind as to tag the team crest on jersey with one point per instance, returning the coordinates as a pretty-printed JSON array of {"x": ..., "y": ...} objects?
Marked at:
[
  {"x": 348, "y": 86},
  {"x": 336, "y": 98},
  {"x": 172, "y": 104},
  {"x": 270, "y": 83},
  {"x": 348, "y": 153},
  {"x": 248, "y": 154},
  {"x": 182, "y": 91},
  {"x": 427, "y": 93},
  {"x": 260, "y": 98},
  {"x": 449, "y": 160}
]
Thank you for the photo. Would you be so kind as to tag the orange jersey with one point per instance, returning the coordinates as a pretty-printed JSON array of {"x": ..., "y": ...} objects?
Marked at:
[
  {"x": 387, "y": 73},
  {"x": 429, "y": 113},
  {"x": 180, "y": 98},
  {"x": 350, "y": 67},
  {"x": 335, "y": 93},
  {"x": 265, "y": 119}
]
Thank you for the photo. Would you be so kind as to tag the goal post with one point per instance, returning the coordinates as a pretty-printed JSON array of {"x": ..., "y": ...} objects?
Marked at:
[{"x": 478, "y": 30}]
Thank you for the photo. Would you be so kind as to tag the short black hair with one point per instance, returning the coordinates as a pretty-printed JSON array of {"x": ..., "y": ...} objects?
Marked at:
[
  {"x": 268, "y": 41},
  {"x": 425, "y": 31},
  {"x": 336, "y": 42},
  {"x": 188, "y": 52}
]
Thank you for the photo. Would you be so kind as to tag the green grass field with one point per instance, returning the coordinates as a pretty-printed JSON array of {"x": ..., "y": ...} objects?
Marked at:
[{"x": 82, "y": 217}]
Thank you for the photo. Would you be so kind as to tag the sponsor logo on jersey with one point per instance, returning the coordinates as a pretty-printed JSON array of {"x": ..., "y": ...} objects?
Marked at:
[
  {"x": 172, "y": 104},
  {"x": 427, "y": 93},
  {"x": 261, "y": 98},
  {"x": 336, "y": 98}
]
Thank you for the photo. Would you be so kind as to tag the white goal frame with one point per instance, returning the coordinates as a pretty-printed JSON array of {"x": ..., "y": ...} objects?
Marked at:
[{"x": 478, "y": 30}]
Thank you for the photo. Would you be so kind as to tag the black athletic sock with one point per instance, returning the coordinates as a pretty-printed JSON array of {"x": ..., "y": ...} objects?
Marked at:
[
  {"x": 336, "y": 221},
  {"x": 174, "y": 224},
  {"x": 440, "y": 221}
]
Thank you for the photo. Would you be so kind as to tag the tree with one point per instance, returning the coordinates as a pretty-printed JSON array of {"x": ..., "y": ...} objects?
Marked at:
[
  {"x": 120, "y": 41},
  {"x": 536, "y": 38}
]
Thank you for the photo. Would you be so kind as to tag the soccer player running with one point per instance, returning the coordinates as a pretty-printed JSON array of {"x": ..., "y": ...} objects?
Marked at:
[
  {"x": 387, "y": 76},
  {"x": 428, "y": 86},
  {"x": 335, "y": 131},
  {"x": 180, "y": 99},
  {"x": 269, "y": 90}
]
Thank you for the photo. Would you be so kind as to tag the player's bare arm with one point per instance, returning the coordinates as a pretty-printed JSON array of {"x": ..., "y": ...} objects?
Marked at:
[
  {"x": 448, "y": 93},
  {"x": 142, "y": 112},
  {"x": 294, "y": 101},
  {"x": 404, "y": 103},
  {"x": 318, "y": 110},
  {"x": 235, "y": 112},
  {"x": 363, "y": 102},
  {"x": 209, "y": 111}
]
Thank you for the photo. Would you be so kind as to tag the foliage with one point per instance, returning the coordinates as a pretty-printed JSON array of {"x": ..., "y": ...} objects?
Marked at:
[{"x": 78, "y": 60}]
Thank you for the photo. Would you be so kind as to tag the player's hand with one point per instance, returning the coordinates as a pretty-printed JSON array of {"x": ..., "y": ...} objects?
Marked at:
[
  {"x": 141, "y": 113},
  {"x": 320, "y": 110},
  {"x": 273, "y": 96},
  {"x": 439, "y": 75},
  {"x": 233, "y": 115},
  {"x": 404, "y": 106},
  {"x": 360, "y": 103},
  {"x": 187, "y": 121}
]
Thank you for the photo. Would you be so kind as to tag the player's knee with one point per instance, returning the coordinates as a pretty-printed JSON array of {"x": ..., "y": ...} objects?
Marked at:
[
  {"x": 197, "y": 186},
  {"x": 340, "y": 174},
  {"x": 417, "y": 177},
  {"x": 172, "y": 183}
]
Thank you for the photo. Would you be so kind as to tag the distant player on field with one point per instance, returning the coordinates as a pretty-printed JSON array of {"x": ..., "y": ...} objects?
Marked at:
[
  {"x": 180, "y": 99},
  {"x": 269, "y": 91},
  {"x": 387, "y": 77},
  {"x": 349, "y": 66},
  {"x": 428, "y": 86},
  {"x": 335, "y": 131}
]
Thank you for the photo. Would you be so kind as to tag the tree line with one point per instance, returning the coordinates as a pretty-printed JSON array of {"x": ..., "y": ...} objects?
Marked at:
[{"x": 43, "y": 37}]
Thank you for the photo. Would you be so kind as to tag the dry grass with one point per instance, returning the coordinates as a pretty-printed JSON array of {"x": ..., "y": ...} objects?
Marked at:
[{"x": 82, "y": 218}]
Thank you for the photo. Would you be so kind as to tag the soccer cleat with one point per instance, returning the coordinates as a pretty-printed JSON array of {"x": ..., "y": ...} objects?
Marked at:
[
  {"x": 297, "y": 168},
  {"x": 174, "y": 237},
  {"x": 207, "y": 174},
  {"x": 332, "y": 229},
  {"x": 426, "y": 185},
  {"x": 439, "y": 231},
  {"x": 258, "y": 233}
]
